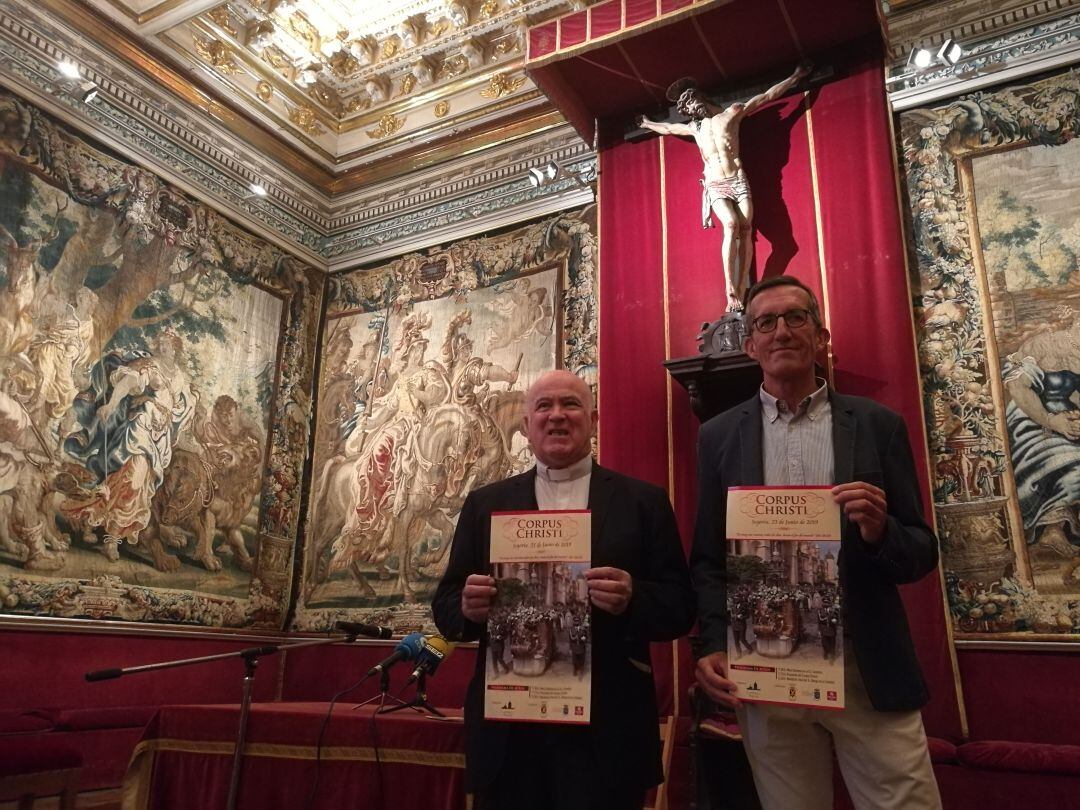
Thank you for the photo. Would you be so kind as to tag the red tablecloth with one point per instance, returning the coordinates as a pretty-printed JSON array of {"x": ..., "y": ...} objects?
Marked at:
[{"x": 399, "y": 760}]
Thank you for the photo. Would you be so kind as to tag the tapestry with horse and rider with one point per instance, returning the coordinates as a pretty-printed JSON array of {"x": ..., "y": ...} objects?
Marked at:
[{"x": 425, "y": 365}]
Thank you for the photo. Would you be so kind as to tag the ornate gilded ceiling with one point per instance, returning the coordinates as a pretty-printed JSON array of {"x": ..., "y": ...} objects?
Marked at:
[
  {"x": 351, "y": 81},
  {"x": 382, "y": 126}
]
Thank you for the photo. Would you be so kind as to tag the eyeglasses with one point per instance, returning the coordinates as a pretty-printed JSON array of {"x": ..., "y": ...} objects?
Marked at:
[{"x": 794, "y": 318}]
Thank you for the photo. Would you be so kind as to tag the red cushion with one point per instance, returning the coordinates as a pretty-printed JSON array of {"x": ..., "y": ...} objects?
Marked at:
[
  {"x": 1000, "y": 755},
  {"x": 941, "y": 750},
  {"x": 33, "y": 754},
  {"x": 721, "y": 724},
  {"x": 26, "y": 721},
  {"x": 108, "y": 717}
]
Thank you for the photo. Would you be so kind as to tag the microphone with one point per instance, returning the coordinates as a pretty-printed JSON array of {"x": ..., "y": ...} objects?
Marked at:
[
  {"x": 406, "y": 650},
  {"x": 103, "y": 674},
  {"x": 365, "y": 630},
  {"x": 432, "y": 652}
]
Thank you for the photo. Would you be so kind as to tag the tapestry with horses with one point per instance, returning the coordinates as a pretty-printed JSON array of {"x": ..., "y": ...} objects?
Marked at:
[{"x": 425, "y": 362}]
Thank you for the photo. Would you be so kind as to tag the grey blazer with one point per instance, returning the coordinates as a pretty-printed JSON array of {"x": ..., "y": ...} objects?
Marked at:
[{"x": 871, "y": 444}]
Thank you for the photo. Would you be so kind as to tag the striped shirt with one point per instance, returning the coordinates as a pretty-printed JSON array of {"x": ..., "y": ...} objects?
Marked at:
[{"x": 797, "y": 448}]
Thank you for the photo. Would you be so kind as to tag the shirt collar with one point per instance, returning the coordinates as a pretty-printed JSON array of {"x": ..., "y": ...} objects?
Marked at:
[
  {"x": 579, "y": 469},
  {"x": 772, "y": 407}
]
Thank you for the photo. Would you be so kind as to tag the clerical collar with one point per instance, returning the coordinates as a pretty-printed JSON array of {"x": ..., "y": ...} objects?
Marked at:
[{"x": 579, "y": 469}]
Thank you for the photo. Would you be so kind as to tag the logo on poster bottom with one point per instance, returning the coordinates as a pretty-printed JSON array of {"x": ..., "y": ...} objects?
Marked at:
[
  {"x": 792, "y": 692},
  {"x": 830, "y": 695}
]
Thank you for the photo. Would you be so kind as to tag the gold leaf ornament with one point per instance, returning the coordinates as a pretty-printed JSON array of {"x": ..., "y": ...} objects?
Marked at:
[
  {"x": 264, "y": 91},
  {"x": 306, "y": 119},
  {"x": 216, "y": 54},
  {"x": 388, "y": 125},
  {"x": 220, "y": 17},
  {"x": 501, "y": 85},
  {"x": 442, "y": 108}
]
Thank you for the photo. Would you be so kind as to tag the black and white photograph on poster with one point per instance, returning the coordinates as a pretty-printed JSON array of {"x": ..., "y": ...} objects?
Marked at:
[
  {"x": 538, "y": 667},
  {"x": 785, "y": 636},
  {"x": 538, "y": 641}
]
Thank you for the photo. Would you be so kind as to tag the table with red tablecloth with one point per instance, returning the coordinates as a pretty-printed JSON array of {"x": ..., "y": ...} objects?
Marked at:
[{"x": 404, "y": 759}]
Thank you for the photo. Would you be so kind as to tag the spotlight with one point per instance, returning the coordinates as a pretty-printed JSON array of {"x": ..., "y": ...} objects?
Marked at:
[
  {"x": 920, "y": 58},
  {"x": 88, "y": 91},
  {"x": 68, "y": 70},
  {"x": 551, "y": 170},
  {"x": 536, "y": 177},
  {"x": 949, "y": 53},
  {"x": 258, "y": 189}
]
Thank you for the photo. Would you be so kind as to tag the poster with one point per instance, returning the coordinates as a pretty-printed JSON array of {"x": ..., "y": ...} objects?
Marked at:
[
  {"x": 539, "y": 652},
  {"x": 785, "y": 634}
]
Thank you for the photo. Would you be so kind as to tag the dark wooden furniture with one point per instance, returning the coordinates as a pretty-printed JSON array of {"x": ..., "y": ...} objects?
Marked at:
[{"x": 715, "y": 382}]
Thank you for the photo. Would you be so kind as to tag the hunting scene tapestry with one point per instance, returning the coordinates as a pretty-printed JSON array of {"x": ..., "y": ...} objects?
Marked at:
[
  {"x": 155, "y": 378},
  {"x": 424, "y": 366},
  {"x": 995, "y": 197}
]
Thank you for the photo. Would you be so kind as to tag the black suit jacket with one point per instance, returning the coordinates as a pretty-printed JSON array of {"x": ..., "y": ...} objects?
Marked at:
[
  {"x": 633, "y": 528},
  {"x": 870, "y": 444}
]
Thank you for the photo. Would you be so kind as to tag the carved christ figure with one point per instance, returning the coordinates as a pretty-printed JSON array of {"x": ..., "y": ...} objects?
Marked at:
[{"x": 725, "y": 189}]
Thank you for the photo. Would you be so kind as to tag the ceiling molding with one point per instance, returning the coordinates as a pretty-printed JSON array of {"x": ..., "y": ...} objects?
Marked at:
[
  {"x": 464, "y": 183},
  {"x": 928, "y": 24},
  {"x": 1048, "y": 45}
]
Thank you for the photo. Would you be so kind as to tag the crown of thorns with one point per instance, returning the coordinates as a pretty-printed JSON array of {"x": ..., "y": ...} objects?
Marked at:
[{"x": 677, "y": 88}]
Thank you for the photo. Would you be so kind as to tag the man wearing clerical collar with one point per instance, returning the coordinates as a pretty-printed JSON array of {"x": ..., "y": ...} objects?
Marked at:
[
  {"x": 796, "y": 432},
  {"x": 639, "y": 590}
]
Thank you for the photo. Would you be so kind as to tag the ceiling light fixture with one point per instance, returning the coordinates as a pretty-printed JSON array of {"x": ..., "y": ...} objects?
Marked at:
[
  {"x": 88, "y": 92},
  {"x": 542, "y": 175},
  {"x": 68, "y": 69},
  {"x": 920, "y": 58},
  {"x": 258, "y": 189},
  {"x": 950, "y": 52}
]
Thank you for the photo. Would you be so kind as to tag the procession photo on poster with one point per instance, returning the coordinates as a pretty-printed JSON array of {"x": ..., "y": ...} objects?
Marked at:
[
  {"x": 785, "y": 636},
  {"x": 539, "y": 651}
]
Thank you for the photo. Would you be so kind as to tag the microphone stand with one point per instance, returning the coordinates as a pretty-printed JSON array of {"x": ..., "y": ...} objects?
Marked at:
[
  {"x": 384, "y": 693},
  {"x": 419, "y": 703},
  {"x": 250, "y": 656}
]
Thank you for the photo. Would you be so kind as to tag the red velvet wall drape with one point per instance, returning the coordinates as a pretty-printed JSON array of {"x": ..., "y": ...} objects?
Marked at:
[{"x": 826, "y": 211}]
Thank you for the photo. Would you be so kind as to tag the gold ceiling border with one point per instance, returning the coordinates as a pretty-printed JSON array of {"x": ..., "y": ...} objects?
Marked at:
[
  {"x": 443, "y": 125},
  {"x": 464, "y": 145},
  {"x": 160, "y": 10}
]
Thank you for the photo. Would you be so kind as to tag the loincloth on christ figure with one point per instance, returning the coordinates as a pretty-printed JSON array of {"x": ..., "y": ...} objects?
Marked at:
[{"x": 735, "y": 188}]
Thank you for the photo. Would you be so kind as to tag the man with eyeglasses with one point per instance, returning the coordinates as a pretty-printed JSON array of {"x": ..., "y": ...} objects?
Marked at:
[{"x": 796, "y": 431}]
